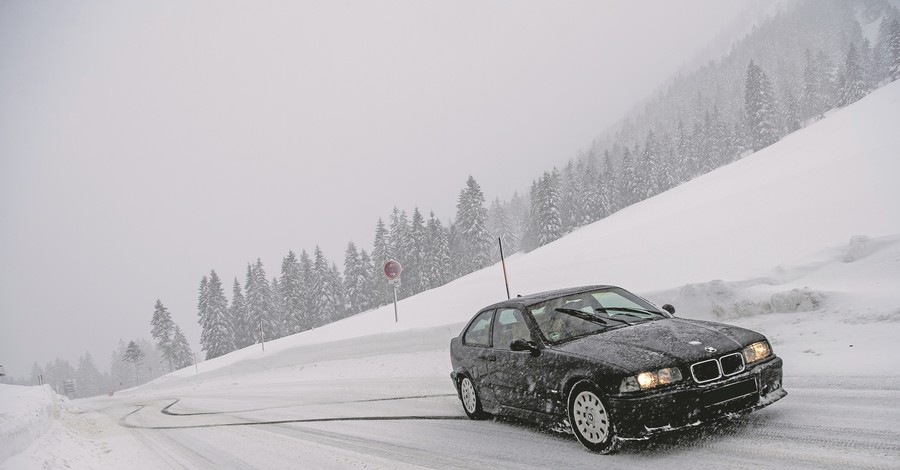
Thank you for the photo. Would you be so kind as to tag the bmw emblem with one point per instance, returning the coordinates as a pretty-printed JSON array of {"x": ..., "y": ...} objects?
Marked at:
[{"x": 710, "y": 349}]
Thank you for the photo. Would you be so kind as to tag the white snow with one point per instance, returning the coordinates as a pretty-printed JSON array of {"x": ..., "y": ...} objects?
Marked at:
[
  {"x": 25, "y": 414},
  {"x": 800, "y": 241}
]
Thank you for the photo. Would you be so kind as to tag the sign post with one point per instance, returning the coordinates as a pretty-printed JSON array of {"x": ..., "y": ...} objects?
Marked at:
[
  {"x": 503, "y": 261},
  {"x": 392, "y": 270},
  {"x": 70, "y": 388}
]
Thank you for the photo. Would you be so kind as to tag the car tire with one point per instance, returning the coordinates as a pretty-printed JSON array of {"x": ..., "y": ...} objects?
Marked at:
[
  {"x": 471, "y": 402},
  {"x": 590, "y": 420}
]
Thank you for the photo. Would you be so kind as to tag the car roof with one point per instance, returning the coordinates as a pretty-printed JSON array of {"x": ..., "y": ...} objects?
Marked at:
[{"x": 523, "y": 301}]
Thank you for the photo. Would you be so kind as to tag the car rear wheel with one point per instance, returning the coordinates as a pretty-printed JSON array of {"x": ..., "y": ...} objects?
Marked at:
[
  {"x": 470, "y": 400},
  {"x": 590, "y": 419}
]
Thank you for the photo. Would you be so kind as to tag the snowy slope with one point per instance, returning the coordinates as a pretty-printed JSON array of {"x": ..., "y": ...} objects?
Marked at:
[
  {"x": 775, "y": 210},
  {"x": 800, "y": 241}
]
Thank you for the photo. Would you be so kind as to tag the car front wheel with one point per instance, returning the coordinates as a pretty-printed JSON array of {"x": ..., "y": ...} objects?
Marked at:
[
  {"x": 470, "y": 399},
  {"x": 590, "y": 419}
]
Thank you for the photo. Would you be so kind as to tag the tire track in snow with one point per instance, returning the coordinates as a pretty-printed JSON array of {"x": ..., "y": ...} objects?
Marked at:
[
  {"x": 124, "y": 420},
  {"x": 167, "y": 411}
]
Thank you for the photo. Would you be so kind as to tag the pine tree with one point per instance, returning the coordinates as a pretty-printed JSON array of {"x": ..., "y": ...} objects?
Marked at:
[
  {"x": 610, "y": 200},
  {"x": 307, "y": 279},
  {"x": 569, "y": 195},
  {"x": 292, "y": 294},
  {"x": 591, "y": 205},
  {"x": 493, "y": 212},
  {"x": 163, "y": 328},
  {"x": 893, "y": 51},
  {"x": 518, "y": 217},
  {"x": 182, "y": 354},
  {"x": 398, "y": 235},
  {"x": 367, "y": 288},
  {"x": 829, "y": 79},
  {"x": 814, "y": 104},
  {"x": 790, "y": 109},
  {"x": 437, "y": 253},
  {"x": 216, "y": 337},
  {"x": 237, "y": 316},
  {"x": 652, "y": 172},
  {"x": 628, "y": 191},
  {"x": 499, "y": 226},
  {"x": 867, "y": 64},
  {"x": 381, "y": 252},
  {"x": 853, "y": 85},
  {"x": 121, "y": 372},
  {"x": 760, "y": 106},
  {"x": 323, "y": 301},
  {"x": 88, "y": 377},
  {"x": 879, "y": 53},
  {"x": 548, "y": 226},
  {"x": 682, "y": 152},
  {"x": 135, "y": 356},
  {"x": 261, "y": 308},
  {"x": 353, "y": 279},
  {"x": 415, "y": 279},
  {"x": 278, "y": 314},
  {"x": 339, "y": 295},
  {"x": 704, "y": 148},
  {"x": 203, "y": 301},
  {"x": 471, "y": 222},
  {"x": 528, "y": 241},
  {"x": 720, "y": 138}
]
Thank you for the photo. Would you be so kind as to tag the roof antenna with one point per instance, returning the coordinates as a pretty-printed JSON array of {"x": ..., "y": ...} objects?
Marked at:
[{"x": 503, "y": 262}]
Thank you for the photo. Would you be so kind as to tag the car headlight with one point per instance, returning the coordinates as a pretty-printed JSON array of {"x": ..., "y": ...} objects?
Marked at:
[
  {"x": 756, "y": 352},
  {"x": 647, "y": 380}
]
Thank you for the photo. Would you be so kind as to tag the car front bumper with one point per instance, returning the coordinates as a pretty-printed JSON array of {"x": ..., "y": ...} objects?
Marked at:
[{"x": 656, "y": 412}]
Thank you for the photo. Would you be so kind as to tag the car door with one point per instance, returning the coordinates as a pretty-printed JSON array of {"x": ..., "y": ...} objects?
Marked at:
[
  {"x": 477, "y": 342},
  {"x": 515, "y": 376}
]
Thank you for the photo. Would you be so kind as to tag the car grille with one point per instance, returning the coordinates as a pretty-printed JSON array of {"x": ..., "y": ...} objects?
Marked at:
[
  {"x": 712, "y": 369},
  {"x": 732, "y": 364}
]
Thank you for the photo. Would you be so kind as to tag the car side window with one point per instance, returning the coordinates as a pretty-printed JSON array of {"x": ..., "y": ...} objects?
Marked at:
[
  {"x": 479, "y": 331},
  {"x": 509, "y": 325}
]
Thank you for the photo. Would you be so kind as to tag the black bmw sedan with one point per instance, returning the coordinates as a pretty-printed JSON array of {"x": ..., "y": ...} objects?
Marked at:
[{"x": 607, "y": 365}]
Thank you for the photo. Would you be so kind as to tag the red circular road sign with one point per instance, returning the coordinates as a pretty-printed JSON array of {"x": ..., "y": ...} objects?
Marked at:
[{"x": 392, "y": 269}]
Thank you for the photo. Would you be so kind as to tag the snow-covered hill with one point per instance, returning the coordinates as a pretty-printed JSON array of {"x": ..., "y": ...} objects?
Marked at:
[
  {"x": 800, "y": 241},
  {"x": 818, "y": 211}
]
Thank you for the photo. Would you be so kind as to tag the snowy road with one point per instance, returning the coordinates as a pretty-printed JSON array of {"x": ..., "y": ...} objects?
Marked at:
[{"x": 823, "y": 423}]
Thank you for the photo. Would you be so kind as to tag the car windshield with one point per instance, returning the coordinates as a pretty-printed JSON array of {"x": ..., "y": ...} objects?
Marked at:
[{"x": 577, "y": 315}]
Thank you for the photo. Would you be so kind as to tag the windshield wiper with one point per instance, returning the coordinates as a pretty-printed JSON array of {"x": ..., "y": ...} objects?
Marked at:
[
  {"x": 589, "y": 316},
  {"x": 628, "y": 309}
]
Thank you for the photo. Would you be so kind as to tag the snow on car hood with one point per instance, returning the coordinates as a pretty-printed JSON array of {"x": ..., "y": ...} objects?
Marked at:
[{"x": 661, "y": 343}]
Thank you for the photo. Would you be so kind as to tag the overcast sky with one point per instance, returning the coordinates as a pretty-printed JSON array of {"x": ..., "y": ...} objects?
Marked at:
[{"x": 143, "y": 144}]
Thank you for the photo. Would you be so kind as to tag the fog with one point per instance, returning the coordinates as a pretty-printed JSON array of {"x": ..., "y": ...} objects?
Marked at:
[{"x": 142, "y": 145}]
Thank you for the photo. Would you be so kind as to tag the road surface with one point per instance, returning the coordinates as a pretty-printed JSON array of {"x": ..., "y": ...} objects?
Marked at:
[{"x": 842, "y": 422}]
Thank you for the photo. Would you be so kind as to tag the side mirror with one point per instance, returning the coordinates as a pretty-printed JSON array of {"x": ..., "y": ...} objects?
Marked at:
[
  {"x": 522, "y": 345},
  {"x": 669, "y": 308}
]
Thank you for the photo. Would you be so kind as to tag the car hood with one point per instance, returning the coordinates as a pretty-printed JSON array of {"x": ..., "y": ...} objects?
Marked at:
[{"x": 661, "y": 343}]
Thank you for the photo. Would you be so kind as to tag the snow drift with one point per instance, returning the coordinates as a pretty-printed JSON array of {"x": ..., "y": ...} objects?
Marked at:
[{"x": 26, "y": 413}]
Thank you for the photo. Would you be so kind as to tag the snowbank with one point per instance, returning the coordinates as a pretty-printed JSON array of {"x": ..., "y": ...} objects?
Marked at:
[{"x": 26, "y": 413}]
